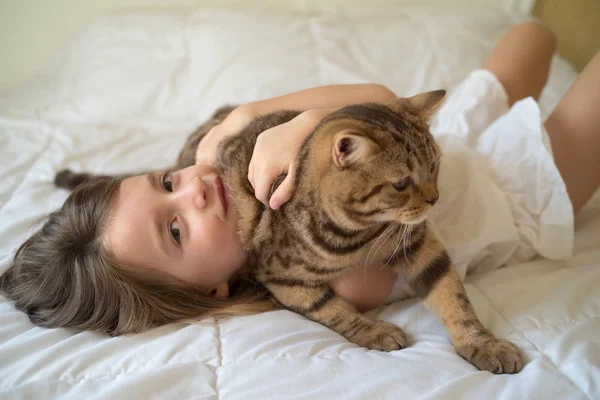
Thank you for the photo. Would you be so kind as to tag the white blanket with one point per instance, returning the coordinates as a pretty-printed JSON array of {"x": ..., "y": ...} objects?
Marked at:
[{"x": 124, "y": 95}]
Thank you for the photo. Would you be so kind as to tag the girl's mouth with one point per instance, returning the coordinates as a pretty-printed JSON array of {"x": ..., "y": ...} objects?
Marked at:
[{"x": 222, "y": 194}]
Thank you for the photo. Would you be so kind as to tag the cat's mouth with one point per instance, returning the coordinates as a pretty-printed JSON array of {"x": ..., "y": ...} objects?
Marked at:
[
  {"x": 396, "y": 215},
  {"x": 415, "y": 218}
]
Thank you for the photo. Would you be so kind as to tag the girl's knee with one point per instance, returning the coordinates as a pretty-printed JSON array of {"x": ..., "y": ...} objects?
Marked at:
[{"x": 534, "y": 30}]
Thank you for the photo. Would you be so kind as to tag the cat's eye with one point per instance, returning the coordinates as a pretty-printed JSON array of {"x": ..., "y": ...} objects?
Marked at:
[
  {"x": 432, "y": 167},
  {"x": 167, "y": 182},
  {"x": 175, "y": 232},
  {"x": 402, "y": 184}
]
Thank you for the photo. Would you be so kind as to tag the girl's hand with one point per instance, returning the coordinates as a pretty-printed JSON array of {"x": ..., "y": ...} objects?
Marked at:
[{"x": 275, "y": 153}]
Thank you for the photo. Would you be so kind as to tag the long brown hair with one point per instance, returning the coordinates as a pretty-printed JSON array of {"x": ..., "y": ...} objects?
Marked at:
[{"x": 65, "y": 276}]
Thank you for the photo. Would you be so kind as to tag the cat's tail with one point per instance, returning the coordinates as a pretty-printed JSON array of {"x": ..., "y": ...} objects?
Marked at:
[{"x": 69, "y": 180}]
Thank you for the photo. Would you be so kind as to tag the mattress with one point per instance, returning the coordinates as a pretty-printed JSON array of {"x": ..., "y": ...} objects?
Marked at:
[{"x": 124, "y": 95}]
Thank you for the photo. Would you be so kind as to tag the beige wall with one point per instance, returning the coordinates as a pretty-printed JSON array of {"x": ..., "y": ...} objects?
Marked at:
[{"x": 577, "y": 25}]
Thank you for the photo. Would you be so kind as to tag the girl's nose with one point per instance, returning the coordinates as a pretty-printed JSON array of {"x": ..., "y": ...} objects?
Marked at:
[{"x": 195, "y": 192}]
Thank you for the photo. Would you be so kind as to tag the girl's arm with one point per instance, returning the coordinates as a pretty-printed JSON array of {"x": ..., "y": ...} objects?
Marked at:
[
  {"x": 367, "y": 287},
  {"x": 322, "y": 97},
  {"x": 331, "y": 96}
]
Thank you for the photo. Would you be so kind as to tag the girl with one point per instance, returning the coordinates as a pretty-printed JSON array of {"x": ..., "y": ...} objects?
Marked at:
[{"x": 124, "y": 255}]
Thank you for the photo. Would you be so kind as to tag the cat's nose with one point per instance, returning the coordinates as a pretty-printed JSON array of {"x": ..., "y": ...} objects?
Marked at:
[{"x": 432, "y": 200}]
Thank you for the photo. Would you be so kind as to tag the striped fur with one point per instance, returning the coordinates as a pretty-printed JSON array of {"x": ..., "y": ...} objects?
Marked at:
[{"x": 346, "y": 212}]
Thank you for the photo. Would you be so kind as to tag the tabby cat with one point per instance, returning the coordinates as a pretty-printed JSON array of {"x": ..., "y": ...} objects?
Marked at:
[{"x": 366, "y": 179}]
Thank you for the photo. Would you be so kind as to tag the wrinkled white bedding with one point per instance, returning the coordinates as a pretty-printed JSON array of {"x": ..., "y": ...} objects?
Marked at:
[{"x": 124, "y": 96}]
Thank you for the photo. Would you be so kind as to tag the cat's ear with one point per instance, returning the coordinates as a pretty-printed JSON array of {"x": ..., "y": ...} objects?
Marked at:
[
  {"x": 426, "y": 104},
  {"x": 349, "y": 148}
]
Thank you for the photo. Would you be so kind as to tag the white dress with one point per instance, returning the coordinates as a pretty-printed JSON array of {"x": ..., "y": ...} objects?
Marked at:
[{"x": 502, "y": 199}]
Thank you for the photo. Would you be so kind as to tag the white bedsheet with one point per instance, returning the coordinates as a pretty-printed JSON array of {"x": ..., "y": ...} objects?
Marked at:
[{"x": 124, "y": 96}]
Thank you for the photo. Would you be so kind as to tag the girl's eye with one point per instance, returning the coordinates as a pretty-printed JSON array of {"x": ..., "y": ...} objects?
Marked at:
[
  {"x": 167, "y": 182},
  {"x": 432, "y": 167},
  {"x": 402, "y": 184},
  {"x": 175, "y": 232}
]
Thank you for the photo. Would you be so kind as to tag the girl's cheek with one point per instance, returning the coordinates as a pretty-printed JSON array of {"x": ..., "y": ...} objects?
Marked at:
[{"x": 209, "y": 235}]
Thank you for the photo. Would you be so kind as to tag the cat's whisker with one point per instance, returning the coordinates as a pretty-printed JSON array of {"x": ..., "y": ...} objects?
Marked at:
[
  {"x": 370, "y": 250},
  {"x": 388, "y": 232},
  {"x": 399, "y": 241},
  {"x": 404, "y": 245}
]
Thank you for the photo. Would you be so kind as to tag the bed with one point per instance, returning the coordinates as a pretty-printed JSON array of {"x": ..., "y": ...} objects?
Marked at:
[{"x": 124, "y": 95}]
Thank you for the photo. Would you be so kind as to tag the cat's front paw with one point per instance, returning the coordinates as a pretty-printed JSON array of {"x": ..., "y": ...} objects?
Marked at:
[
  {"x": 498, "y": 356},
  {"x": 379, "y": 335}
]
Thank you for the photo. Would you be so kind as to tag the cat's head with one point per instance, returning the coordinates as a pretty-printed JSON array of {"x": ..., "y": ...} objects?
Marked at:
[{"x": 379, "y": 163}]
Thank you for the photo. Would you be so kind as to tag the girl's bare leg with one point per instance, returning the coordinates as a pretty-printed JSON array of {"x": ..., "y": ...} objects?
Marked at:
[
  {"x": 521, "y": 60},
  {"x": 574, "y": 130}
]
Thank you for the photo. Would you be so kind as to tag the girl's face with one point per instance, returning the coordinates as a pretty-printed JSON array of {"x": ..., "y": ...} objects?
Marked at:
[{"x": 179, "y": 223}]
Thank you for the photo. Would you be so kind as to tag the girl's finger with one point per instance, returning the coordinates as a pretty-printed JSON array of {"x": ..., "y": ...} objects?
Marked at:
[
  {"x": 262, "y": 184},
  {"x": 284, "y": 191}
]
